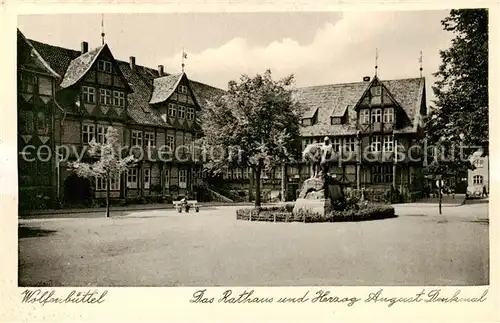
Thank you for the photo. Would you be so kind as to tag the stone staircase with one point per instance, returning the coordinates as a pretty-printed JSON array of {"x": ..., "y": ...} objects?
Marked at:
[{"x": 217, "y": 197}]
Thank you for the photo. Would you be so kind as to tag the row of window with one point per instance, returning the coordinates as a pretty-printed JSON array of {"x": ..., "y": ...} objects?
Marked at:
[
  {"x": 36, "y": 84},
  {"x": 366, "y": 116},
  {"x": 132, "y": 179},
  {"x": 338, "y": 143},
  {"x": 382, "y": 174},
  {"x": 105, "y": 97},
  {"x": 138, "y": 138},
  {"x": 28, "y": 122},
  {"x": 149, "y": 139},
  {"x": 376, "y": 143},
  {"x": 246, "y": 173},
  {"x": 379, "y": 173},
  {"x": 376, "y": 115},
  {"x": 180, "y": 111},
  {"x": 89, "y": 132},
  {"x": 101, "y": 184}
]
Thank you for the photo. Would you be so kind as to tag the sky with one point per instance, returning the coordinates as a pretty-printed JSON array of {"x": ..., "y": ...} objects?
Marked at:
[{"x": 317, "y": 47}]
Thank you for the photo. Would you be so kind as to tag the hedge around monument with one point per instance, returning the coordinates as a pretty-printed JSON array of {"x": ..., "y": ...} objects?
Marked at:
[{"x": 284, "y": 214}]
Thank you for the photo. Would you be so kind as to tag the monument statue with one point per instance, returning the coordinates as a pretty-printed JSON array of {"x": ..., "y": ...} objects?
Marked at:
[
  {"x": 318, "y": 155},
  {"x": 320, "y": 190}
]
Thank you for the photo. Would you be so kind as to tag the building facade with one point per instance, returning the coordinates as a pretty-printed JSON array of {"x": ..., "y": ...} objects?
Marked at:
[
  {"x": 67, "y": 98},
  {"x": 374, "y": 127},
  {"x": 369, "y": 124},
  {"x": 478, "y": 178}
]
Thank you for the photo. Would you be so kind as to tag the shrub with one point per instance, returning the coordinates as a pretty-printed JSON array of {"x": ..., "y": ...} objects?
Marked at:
[
  {"x": 366, "y": 212},
  {"x": 362, "y": 212}
]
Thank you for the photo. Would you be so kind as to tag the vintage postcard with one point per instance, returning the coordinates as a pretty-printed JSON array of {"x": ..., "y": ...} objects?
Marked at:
[{"x": 281, "y": 164}]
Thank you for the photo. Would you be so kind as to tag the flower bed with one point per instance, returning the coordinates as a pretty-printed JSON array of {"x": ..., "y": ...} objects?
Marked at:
[{"x": 362, "y": 212}]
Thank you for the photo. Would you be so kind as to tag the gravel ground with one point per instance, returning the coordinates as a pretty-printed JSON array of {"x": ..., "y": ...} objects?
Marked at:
[{"x": 212, "y": 248}]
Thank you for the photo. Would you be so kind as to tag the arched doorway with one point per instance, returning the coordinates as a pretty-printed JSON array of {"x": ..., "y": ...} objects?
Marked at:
[{"x": 77, "y": 191}]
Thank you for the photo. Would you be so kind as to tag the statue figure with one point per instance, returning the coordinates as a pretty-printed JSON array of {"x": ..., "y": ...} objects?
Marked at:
[
  {"x": 318, "y": 155},
  {"x": 319, "y": 192}
]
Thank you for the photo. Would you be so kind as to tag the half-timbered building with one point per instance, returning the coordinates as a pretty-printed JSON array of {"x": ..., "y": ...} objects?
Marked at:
[
  {"x": 374, "y": 127},
  {"x": 68, "y": 98},
  {"x": 365, "y": 122}
]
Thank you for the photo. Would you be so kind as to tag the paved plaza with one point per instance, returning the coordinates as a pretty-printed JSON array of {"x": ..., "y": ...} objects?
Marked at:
[{"x": 212, "y": 248}]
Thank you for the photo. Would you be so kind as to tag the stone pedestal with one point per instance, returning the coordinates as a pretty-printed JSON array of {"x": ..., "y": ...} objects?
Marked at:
[
  {"x": 316, "y": 206},
  {"x": 317, "y": 195}
]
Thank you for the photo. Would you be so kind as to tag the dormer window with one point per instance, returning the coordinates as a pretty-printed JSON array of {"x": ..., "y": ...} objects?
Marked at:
[
  {"x": 183, "y": 89},
  {"x": 335, "y": 120},
  {"x": 104, "y": 66},
  {"x": 307, "y": 122}
]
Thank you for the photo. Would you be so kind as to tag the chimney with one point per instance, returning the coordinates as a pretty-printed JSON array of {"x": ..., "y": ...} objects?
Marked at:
[
  {"x": 132, "y": 62},
  {"x": 366, "y": 79},
  {"x": 85, "y": 47},
  {"x": 160, "y": 70}
]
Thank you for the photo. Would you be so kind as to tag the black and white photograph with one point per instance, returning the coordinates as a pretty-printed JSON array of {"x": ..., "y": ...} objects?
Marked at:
[{"x": 266, "y": 149}]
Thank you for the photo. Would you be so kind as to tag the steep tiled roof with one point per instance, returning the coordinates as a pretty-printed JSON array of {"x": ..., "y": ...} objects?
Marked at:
[
  {"x": 409, "y": 94},
  {"x": 331, "y": 99},
  {"x": 140, "y": 79},
  {"x": 164, "y": 86},
  {"x": 323, "y": 129},
  {"x": 59, "y": 58},
  {"x": 39, "y": 61},
  {"x": 335, "y": 99},
  {"x": 205, "y": 93},
  {"x": 310, "y": 112},
  {"x": 79, "y": 66}
]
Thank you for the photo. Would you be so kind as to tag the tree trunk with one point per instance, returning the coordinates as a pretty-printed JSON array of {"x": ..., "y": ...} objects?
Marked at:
[
  {"x": 283, "y": 182},
  {"x": 257, "y": 186},
  {"x": 107, "y": 196},
  {"x": 440, "y": 195}
]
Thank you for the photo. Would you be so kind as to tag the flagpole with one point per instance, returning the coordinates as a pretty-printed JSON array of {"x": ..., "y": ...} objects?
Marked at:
[
  {"x": 420, "y": 61},
  {"x": 183, "y": 55}
]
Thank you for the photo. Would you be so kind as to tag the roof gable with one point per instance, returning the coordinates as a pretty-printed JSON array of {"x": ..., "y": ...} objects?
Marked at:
[
  {"x": 409, "y": 93},
  {"x": 80, "y": 66},
  {"x": 165, "y": 86},
  {"x": 35, "y": 56},
  {"x": 140, "y": 79},
  {"x": 336, "y": 100}
]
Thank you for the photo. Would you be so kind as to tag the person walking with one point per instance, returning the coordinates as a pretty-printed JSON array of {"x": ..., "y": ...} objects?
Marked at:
[{"x": 485, "y": 193}]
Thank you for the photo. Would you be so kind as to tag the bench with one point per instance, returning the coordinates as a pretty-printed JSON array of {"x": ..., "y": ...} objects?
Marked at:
[{"x": 190, "y": 204}]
